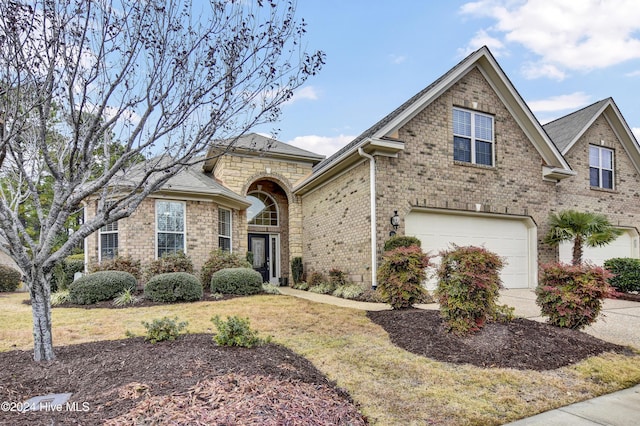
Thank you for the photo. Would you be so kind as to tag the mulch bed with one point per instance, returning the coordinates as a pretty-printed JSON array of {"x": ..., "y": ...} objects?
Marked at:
[
  {"x": 521, "y": 344},
  {"x": 187, "y": 381}
]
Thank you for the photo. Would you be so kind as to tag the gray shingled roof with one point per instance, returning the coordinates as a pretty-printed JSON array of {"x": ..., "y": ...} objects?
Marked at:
[
  {"x": 565, "y": 130},
  {"x": 263, "y": 144},
  {"x": 390, "y": 117}
]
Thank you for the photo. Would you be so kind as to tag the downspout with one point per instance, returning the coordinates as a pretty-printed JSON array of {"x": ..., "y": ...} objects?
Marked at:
[{"x": 374, "y": 240}]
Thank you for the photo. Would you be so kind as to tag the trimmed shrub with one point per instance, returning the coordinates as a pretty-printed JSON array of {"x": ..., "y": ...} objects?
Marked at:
[
  {"x": 9, "y": 279},
  {"x": 571, "y": 295},
  {"x": 99, "y": 286},
  {"x": 174, "y": 262},
  {"x": 120, "y": 263},
  {"x": 297, "y": 269},
  {"x": 468, "y": 288},
  {"x": 400, "y": 276},
  {"x": 236, "y": 331},
  {"x": 218, "y": 260},
  {"x": 173, "y": 287},
  {"x": 64, "y": 271},
  {"x": 163, "y": 329},
  {"x": 241, "y": 281},
  {"x": 626, "y": 273},
  {"x": 401, "y": 241}
]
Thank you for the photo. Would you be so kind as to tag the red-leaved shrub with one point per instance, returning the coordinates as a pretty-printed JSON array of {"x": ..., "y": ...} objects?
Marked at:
[{"x": 400, "y": 276}]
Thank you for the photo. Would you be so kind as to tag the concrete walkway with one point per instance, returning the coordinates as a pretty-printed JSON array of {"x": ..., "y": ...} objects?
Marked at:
[{"x": 620, "y": 324}]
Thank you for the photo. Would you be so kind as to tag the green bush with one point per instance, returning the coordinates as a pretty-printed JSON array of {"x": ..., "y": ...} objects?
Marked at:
[
  {"x": 173, "y": 287},
  {"x": 401, "y": 241},
  {"x": 297, "y": 269},
  {"x": 174, "y": 262},
  {"x": 64, "y": 271},
  {"x": 468, "y": 288},
  {"x": 99, "y": 286},
  {"x": 571, "y": 295},
  {"x": 241, "y": 281},
  {"x": 349, "y": 291},
  {"x": 120, "y": 263},
  {"x": 9, "y": 279},
  {"x": 236, "y": 331},
  {"x": 218, "y": 260},
  {"x": 163, "y": 329},
  {"x": 626, "y": 273},
  {"x": 400, "y": 276}
]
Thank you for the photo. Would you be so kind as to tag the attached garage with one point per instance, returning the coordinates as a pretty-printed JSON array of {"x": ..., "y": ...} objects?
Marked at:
[
  {"x": 511, "y": 237},
  {"x": 626, "y": 245}
]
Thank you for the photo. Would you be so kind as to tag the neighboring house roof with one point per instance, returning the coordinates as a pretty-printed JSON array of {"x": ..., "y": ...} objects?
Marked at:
[
  {"x": 254, "y": 144},
  {"x": 383, "y": 132},
  {"x": 567, "y": 130}
]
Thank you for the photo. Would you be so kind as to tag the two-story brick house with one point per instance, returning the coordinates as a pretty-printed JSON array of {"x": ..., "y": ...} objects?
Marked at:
[{"x": 464, "y": 161}]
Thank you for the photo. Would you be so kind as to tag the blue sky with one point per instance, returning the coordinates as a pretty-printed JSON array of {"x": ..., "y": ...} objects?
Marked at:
[{"x": 560, "y": 56}]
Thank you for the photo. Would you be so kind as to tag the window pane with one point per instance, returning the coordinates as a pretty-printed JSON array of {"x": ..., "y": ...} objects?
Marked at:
[
  {"x": 607, "y": 179},
  {"x": 594, "y": 176},
  {"x": 263, "y": 210},
  {"x": 170, "y": 243},
  {"x": 606, "y": 156},
  {"x": 461, "y": 149},
  {"x": 483, "y": 153},
  {"x": 224, "y": 243},
  {"x": 594, "y": 156},
  {"x": 484, "y": 127},
  {"x": 108, "y": 245},
  {"x": 224, "y": 222},
  {"x": 170, "y": 216},
  {"x": 461, "y": 123}
]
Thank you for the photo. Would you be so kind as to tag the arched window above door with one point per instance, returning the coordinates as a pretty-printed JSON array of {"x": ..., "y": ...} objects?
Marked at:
[{"x": 263, "y": 210}]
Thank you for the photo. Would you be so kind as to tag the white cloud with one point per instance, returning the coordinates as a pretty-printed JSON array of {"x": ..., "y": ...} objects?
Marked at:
[
  {"x": 536, "y": 70},
  {"x": 560, "y": 103},
  {"x": 397, "y": 59},
  {"x": 482, "y": 38},
  {"x": 636, "y": 132},
  {"x": 633, "y": 74},
  {"x": 307, "y": 92},
  {"x": 575, "y": 35},
  {"x": 324, "y": 145}
]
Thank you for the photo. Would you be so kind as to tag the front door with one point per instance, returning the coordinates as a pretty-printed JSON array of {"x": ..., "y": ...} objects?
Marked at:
[{"x": 259, "y": 246}]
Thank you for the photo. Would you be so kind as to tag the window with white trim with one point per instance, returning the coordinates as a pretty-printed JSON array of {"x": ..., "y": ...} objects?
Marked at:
[
  {"x": 224, "y": 229},
  {"x": 170, "y": 227},
  {"x": 472, "y": 137},
  {"x": 600, "y": 167},
  {"x": 263, "y": 210},
  {"x": 109, "y": 241}
]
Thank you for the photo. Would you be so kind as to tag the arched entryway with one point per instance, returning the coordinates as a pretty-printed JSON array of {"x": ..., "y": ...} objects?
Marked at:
[{"x": 268, "y": 230}]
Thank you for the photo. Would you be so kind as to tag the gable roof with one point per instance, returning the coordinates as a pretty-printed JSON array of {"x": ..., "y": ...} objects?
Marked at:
[
  {"x": 556, "y": 166},
  {"x": 254, "y": 144},
  {"x": 567, "y": 130}
]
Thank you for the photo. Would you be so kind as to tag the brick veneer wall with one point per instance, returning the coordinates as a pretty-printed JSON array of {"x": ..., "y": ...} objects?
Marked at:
[
  {"x": 136, "y": 234},
  {"x": 622, "y": 204},
  {"x": 336, "y": 219}
]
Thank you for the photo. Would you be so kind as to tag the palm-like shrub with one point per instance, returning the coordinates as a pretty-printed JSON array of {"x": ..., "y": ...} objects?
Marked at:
[{"x": 592, "y": 229}]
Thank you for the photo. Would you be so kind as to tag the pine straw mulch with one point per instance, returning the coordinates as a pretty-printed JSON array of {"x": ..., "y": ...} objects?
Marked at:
[{"x": 189, "y": 381}]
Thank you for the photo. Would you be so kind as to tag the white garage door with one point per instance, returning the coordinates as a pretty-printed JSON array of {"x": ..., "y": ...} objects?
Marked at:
[
  {"x": 514, "y": 239},
  {"x": 626, "y": 245}
]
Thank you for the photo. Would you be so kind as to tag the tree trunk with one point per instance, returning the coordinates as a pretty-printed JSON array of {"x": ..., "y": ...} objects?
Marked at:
[
  {"x": 577, "y": 250},
  {"x": 41, "y": 310}
]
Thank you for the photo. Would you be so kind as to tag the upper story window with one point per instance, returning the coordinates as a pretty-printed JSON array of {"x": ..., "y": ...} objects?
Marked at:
[
  {"x": 472, "y": 137},
  {"x": 600, "y": 167},
  {"x": 263, "y": 210},
  {"x": 170, "y": 227},
  {"x": 224, "y": 229}
]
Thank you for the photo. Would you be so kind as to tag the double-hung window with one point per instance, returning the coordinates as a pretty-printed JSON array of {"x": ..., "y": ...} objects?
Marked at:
[
  {"x": 224, "y": 229},
  {"x": 170, "y": 227},
  {"x": 472, "y": 137},
  {"x": 109, "y": 241},
  {"x": 600, "y": 167}
]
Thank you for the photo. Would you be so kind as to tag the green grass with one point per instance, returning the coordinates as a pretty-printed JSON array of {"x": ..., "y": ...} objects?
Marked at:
[{"x": 391, "y": 386}]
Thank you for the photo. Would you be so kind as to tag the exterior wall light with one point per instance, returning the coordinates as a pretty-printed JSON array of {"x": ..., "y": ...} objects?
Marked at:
[{"x": 395, "y": 222}]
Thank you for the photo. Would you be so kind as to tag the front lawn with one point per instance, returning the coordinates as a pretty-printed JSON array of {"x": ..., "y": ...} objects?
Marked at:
[{"x": 390, "y": 385}]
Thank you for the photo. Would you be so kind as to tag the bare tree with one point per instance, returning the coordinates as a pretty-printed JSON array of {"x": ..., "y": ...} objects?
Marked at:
[{"x": 165, "y": 77}]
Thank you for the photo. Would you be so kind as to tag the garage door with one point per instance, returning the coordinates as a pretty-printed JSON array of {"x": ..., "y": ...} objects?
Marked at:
[
  {"x": 626, "y": 245},
  {"x": 512, "y": 238}
]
